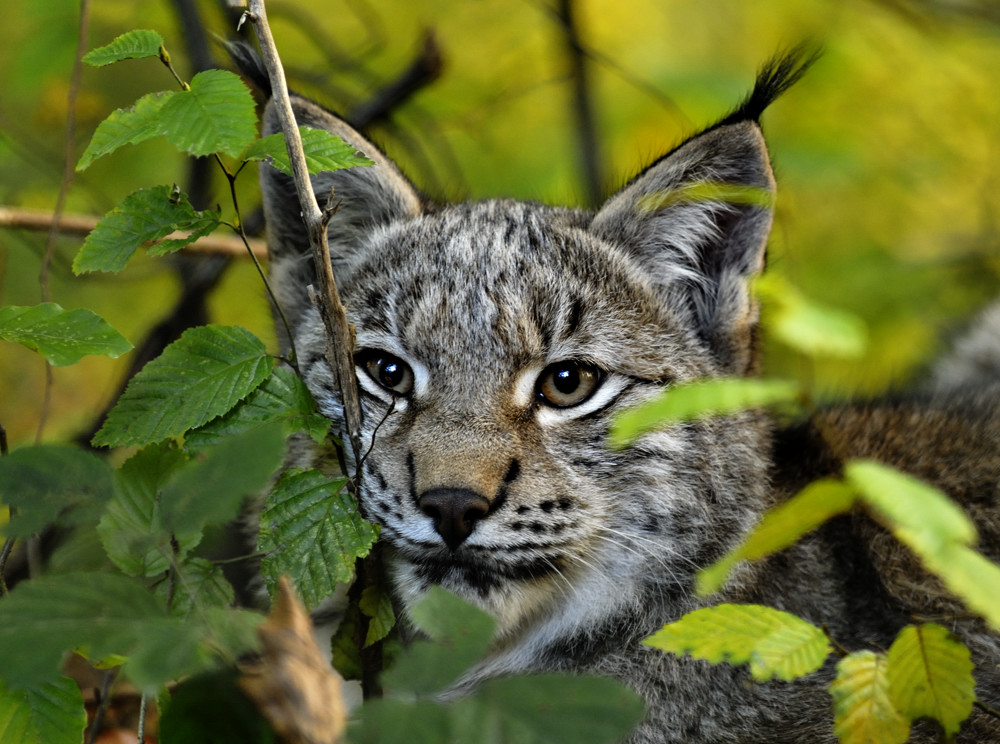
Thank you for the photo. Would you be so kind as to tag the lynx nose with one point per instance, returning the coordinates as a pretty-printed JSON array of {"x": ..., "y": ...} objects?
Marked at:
[{"x": 455, "y": 512}]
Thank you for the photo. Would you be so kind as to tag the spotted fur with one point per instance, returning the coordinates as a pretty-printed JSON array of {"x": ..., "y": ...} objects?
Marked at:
[{"x": 478, "y": 325}]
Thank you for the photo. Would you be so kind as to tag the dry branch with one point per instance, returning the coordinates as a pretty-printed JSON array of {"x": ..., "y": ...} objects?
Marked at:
[
  {"x": 82, "y": 224},
  {"x": 340, "y": 335}
]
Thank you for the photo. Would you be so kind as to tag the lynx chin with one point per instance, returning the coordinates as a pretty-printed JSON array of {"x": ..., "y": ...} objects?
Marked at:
[{"x": 497, "y": 339}]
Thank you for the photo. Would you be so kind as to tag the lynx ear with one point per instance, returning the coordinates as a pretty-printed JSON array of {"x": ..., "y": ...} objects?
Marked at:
[
  {"x": 698, "y": 219},
  {"x": 368, "y": 197}
]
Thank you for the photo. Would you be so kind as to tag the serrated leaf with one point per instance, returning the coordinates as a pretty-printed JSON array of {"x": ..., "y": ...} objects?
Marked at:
[
  {"x": 195, "y": 585},
  {"x": 696, "y": 400},
  {"x": 807, "y": 326},
  {"x": 131, "y": 530},
  {"x": 203, "y": 374},
  {"x": 137, "y": 44},
  {"x": 311, "y": 530},
  {"x": 52, "y": 485},
  {"x": 774, "y": 643},
  {"x": 61, "y": 336},
  {"x": 377, "y": 605},
  {"x": 781, "y": 527},
  {"x": 324, "y": 152},
  {"x": 41, "y": 620},
  {"x": 918, "y": 514},
  {"x": 460, "y": 635},
  {"x": 282, "y": 397},
  {"x": 126, "y": 126},
  {"x": 930, "y": 674},
  {"x": 863, "y": 712},
  {"x": 215, "y": 114},
  {"x": 106, "y": 615},
  {"x": 47, "y": 713},
  {"x": 212, "y": 488},
  {"x": 143, "y": 217}
]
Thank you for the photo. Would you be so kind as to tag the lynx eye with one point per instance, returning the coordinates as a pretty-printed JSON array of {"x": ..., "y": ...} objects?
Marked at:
[
  {"x": 387, "y": 370},
  {"x": 569, "y": 383}
]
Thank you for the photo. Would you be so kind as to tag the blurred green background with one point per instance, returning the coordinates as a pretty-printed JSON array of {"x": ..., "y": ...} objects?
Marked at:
[{"x": 885, "y": 154}]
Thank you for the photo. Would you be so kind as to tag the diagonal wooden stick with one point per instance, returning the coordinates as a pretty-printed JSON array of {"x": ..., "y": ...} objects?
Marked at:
[{"x": 339, "y": 333}]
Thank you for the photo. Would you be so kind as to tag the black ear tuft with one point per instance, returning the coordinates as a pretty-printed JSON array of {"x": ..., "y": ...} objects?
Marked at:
[
  {"x": 249, "y": 63},
  {"x": 778, "y": 75}
]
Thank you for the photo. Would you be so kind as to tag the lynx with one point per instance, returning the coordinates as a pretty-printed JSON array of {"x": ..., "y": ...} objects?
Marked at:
[{"x": 497, "y": 339}]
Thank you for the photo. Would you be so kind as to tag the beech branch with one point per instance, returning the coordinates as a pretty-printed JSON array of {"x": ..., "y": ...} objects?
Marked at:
[{"x": 339, "y": 333}]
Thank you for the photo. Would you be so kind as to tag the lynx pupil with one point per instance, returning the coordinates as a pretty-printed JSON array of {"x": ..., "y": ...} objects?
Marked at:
[
  {"x": 565, "y": 384},
  {"x": 388, "y": 371}
]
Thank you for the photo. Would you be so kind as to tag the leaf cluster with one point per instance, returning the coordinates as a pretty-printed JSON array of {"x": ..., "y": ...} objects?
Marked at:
[{"x": 206, "y": 423}]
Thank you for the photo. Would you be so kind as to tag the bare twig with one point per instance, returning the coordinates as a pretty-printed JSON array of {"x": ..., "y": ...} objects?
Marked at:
[
  {"x": 425, "y": 68},
  {"x": 82, "y": 224},
  {"x": 340, "y": 335},
  {"x": 582, "y": 104}
]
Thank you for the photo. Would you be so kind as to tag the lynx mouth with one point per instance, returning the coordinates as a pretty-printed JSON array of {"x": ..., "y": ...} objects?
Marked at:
[{"x": 482, "y": 576}]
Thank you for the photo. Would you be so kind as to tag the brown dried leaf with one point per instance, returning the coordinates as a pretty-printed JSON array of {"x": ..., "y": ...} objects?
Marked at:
[{"x": 293, "y": 684}]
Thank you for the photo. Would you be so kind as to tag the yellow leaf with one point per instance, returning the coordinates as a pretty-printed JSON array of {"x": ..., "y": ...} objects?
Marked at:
[{"x": 863, "y": 712}]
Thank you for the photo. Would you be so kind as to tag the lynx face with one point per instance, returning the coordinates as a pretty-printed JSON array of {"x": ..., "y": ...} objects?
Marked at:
[{"x": 495, "y": 342}]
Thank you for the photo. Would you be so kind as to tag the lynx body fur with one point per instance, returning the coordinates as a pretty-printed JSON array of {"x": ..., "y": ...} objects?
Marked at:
[{"x": 495, "y": 342}]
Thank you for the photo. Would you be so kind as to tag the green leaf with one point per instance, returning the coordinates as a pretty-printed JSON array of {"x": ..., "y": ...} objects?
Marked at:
[
  {"x": 460, "y": 635},
  {"x": 41, "y": 620},
  {"x": 809, "y": 327},
  {"x": 774, "y": 643},
  {"x": 175, "y": 647},
  {"x": 212, "y": 708},
  {"x": 707, "y": 191},
  {"x": 918, "y": 514},
  {"x": 311, "y": 530},
  {"x": 195, "y": 585},
  {"x": 696, "y": 400},
  {"x": 387, "y": 721},
  {"x": 143, "y": 217},
  {"x": 131, "y": 529},
  {"x": 547, "y": 709},
  {"x": 781, "y": 527},
  {"x": 129, "y": 126},
  {"x": 930, "y": 674},
  {"x": 61, "y": 336},
  {"x": 46, "y": 713},
  {"x": 324, "y": 152},
  {"x": 863, "y": 712},
  {"x": 215, "y": 114},
  {"x": 137, "y": 44},
  {"x": 935, "y": 529},
  {"x": 211, "y": 489},
  {"x": 203, "y": 374},
  {"x": 377, "y": 605},
  {"x": 52, "y": 485},
  {"x": 282, "y": 397},
  {"x": 973, "y": 578}
]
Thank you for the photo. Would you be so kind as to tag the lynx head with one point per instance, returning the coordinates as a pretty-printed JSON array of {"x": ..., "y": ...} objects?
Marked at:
[{"x": 496, "y": 340}]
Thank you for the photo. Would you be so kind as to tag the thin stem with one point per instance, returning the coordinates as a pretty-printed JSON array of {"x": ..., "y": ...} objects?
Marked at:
[
  {"x": 102, "y": 705},
  {"x": 141, "y": 733},
  {"x": 67, "y": 179},
  {"x": 238, "y": 227},
  {"x": 165, "y": 59}
]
